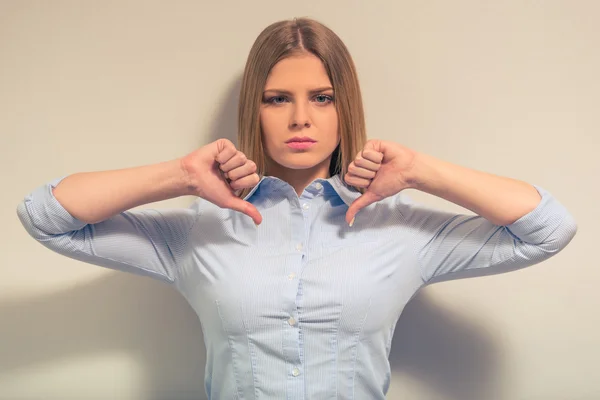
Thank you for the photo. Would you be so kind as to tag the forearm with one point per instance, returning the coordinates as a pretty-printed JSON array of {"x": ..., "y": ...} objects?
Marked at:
[
  {"x": 95, "y": 196},
  {"x": 498, "y": 199}
]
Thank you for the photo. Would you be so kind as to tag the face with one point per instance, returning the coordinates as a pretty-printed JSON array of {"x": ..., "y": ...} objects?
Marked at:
[{"x": 298, "y": 117}]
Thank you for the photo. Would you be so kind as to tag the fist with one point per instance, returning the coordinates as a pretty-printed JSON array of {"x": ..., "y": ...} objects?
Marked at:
[
  {"x": 216, "y": 171},
  {"x": 383, "y": 169}
]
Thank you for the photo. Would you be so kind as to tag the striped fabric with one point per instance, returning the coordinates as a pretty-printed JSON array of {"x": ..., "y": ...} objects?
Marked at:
[{"x": 303, "y": 306}]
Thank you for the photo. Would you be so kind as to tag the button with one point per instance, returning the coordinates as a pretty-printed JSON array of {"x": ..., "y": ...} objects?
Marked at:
[
  {"x": 291, "y": 321},
  {"x": 306, "y": 206},
  {"x": 319, "y": 186},
  {"x": 291, "y": 276},
  {"x": 295, "y": 372},
  {"x": 299, "y": 247}
]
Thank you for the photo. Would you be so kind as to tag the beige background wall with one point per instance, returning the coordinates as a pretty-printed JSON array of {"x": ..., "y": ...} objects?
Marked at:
[{"x": 509, "y": 87}]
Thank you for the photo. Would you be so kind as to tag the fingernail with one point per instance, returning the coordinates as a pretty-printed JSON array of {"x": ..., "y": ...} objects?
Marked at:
[
  {"x": 255, "y": 224},
  {"x": 352, "y": 222}
]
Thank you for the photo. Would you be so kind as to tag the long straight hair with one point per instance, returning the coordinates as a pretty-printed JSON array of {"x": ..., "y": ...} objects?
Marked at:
[{"x": 284, "y": 39}]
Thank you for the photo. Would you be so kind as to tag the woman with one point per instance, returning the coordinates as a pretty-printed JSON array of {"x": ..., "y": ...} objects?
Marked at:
[{"x": 301, "y": 251}]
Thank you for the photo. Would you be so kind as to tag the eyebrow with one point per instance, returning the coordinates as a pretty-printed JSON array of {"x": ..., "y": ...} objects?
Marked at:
[{"x": 313, "y": 91}]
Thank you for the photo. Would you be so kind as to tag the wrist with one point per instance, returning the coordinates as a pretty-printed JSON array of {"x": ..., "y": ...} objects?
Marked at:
[
  {"x": 421, "y": 174},
  {"x": 186, "y": 184},
  {"x": 413, "y": 173}
]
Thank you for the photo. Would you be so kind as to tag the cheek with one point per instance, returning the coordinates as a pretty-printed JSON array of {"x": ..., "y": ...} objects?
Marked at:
[
  {"x": 328, "y": 124},
  {"x": 270, "y": 124}
]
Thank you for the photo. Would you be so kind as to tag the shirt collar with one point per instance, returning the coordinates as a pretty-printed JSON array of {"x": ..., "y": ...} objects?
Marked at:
[{"x": 331, "y": 185}]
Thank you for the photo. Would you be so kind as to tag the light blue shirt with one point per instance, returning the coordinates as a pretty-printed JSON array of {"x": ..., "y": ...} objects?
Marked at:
[{"x": 303, "y": 306}]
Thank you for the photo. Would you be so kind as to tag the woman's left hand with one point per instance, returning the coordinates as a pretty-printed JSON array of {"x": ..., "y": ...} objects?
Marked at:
[{"x": 383, "y": 168}]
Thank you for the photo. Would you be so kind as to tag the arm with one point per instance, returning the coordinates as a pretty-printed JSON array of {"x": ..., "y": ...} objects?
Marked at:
[
  {"x": 95, "y": 196},
  {"x": 84, "y": 216},
  {"x": 517, "y": 225},
  {"x": 498, "y": 199}
]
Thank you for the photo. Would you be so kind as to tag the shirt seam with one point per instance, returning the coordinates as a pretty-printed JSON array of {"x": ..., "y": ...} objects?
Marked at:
[
  {"x": 420, "y": 264},
  {"x": 357, "y": 344},
  {"x": 184, "y": 247}
]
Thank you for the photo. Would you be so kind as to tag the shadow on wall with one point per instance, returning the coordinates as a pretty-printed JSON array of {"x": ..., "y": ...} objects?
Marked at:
[
  {"x": 134, "y": 315},
  {"x": 145, "y": 319},
  {"x": 152, "y": 322},
  {"x": 445, "y": 352},
  {"x": 225, "y": 124}
]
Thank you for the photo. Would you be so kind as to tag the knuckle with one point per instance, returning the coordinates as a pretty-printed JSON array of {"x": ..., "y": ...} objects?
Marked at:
[
  {"x": 226, "y": 144},
  {"x": 235, "y": 185}
]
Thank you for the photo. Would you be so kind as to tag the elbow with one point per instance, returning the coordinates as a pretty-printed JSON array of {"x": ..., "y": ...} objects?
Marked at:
[
  {"x": 27, "y": 221},
  {"x": 569, "y": 229},
  {"x": 562, "y": 235}
]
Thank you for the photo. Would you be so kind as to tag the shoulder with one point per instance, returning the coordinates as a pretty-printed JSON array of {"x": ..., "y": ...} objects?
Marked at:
[
  {"x": 203, "y": 209},
  {"x": 393, "y": 204},
  {"x": 212, "y": 218}
]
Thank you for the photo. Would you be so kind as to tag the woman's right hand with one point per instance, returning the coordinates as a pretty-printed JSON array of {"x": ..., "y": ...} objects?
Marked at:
[{"x": 215, "y": 171}]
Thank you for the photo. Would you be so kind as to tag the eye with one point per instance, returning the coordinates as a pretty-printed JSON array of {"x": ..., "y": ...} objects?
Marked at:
[
  {"x": 323, "y": 99},
  {"x": 276, "y": 100}
]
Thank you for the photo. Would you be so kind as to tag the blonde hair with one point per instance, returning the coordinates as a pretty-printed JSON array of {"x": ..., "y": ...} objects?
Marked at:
[{"x": 284, "y": 39}]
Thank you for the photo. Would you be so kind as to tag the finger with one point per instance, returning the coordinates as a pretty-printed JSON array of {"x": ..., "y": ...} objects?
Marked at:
[
  {"x": 247, "y": 169},
  {"x": 375, "y": 145},
  {"x": 360, "y": 172},
  {"x": 226, "y": 150},
  {"x": 372, "y": 155},
  {"x": 245, "y": 207},
  {"x": 357, "y": 181},
  {"x": 248, "y": 181},
  {"x": 237, "y": 160},
  {"x": 367, "y": 164},
  {"x": 358, "y": 204}
]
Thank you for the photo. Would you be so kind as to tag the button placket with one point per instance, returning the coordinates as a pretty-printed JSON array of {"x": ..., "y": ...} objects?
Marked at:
[{"x": 291, "y": 325}]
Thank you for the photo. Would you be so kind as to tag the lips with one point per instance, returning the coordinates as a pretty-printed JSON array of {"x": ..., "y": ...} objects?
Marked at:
[{"x": 303, "y": 139}]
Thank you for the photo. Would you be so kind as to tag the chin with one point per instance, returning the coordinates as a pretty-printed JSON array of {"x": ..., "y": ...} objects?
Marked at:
[
  {"x": 300, "y": 160},
  {"x": 298, "y": 164}
]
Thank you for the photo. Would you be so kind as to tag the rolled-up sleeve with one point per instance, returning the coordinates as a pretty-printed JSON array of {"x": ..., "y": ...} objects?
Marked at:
[
  {"x": 145, "y": 242},
  {"x": 453, "y": 246}
]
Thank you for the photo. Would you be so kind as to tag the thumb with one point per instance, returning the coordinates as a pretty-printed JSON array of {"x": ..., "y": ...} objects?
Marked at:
[
  {"x": 245, "y": 207},
  {"x": 366, "y": 199},
  {"x": 374, "y": 144}
]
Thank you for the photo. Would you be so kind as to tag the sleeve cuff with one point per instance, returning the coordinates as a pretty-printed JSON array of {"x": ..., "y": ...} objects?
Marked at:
[
  {"x": 47, "y": 214},
  {"x": 537, "y": 225}
]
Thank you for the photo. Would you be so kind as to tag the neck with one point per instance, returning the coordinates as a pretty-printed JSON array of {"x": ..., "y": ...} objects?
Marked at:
[{"x": 299, "y": 179}]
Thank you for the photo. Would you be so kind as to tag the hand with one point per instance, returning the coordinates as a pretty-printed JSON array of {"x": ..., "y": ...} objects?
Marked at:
[
  {"x": 216, "y": 171},
  {"x": 383, "y": 169}
]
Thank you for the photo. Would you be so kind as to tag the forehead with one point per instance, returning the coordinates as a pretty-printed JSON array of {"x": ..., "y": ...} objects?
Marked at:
[{"x": 304, "y": 71}]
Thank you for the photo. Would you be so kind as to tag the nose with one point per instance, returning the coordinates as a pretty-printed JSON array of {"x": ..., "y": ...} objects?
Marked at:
[{"x": 300, "y": 118}]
